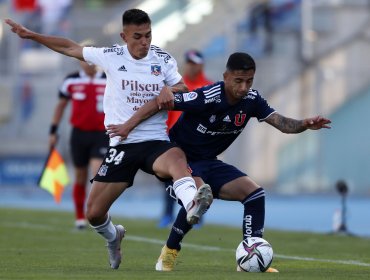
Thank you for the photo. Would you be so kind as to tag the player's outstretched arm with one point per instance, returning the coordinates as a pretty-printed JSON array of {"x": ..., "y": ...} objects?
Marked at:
[
  {"x": 58, "y": 44},
  {"x": 288, "y": 125}
]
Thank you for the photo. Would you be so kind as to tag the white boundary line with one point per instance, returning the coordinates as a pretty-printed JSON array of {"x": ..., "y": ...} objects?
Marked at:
[
  {"x": 194, "y": 246},
  {"x": 211, "y": 248}
]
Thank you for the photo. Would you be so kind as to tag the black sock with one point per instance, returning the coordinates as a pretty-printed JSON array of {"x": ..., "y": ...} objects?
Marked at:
[
  {"x": 254, "y": 214},
  {"x": 179, "y": 229}
]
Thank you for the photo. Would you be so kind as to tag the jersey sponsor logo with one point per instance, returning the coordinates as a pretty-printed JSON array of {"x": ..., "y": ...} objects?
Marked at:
[
  {"x": 156, "y": 70},
  {"x": 239, "y": 119},
  {"x": 201, "y": 128},
  {"x": 212, "y": 94},
  {"x": 188, "y": 96},
  {"x": 178, "y": 97},
  {"x": 212, "y": 119},
  {"x": 227, "y": 119},
  {"x": 136, "y": 86},
  {"x": 117, "y": 50},
  {"x": 228, "y": 132},
  {"x": 216, "y": 99},
  {"x": 134, "y": 100},
  {"x": 103, "y": 170},
  {"x": 122, "y": 68},
  {"x": 78, "y": 96}
]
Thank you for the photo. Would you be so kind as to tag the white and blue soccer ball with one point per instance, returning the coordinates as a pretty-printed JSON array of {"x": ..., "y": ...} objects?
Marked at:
[{"x": 254, "y": 254}]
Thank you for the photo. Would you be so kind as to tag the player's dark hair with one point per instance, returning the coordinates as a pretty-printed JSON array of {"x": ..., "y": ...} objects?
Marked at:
[
  {"x": 240, "y": 61},
  {"x": 135, "y": 16}
]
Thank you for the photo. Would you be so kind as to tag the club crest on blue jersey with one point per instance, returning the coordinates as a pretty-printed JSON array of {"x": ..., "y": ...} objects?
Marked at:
[
  {"x": 239, "y": 119},
  {"x": 155, "y": 70}
]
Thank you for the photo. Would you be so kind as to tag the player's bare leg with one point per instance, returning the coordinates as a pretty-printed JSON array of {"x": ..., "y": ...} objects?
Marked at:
[{"x": 101, "y": 197}]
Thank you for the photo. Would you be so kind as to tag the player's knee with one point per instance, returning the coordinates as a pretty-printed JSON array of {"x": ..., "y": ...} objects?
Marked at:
[{"x": 94, "y": 215}]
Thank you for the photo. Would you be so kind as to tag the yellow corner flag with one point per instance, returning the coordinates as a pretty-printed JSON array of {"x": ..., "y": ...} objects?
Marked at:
[{"x": 54, "y": 177}]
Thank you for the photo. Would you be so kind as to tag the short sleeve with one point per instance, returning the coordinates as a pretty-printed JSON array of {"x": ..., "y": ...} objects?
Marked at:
[
  {"x": 263, "y": 109},
  {"x": 95, "y": 56},
  {"x": 172, "y": 75}
]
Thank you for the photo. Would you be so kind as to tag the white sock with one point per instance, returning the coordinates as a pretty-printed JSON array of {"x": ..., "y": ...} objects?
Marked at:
[
  {"x": 185, "y": 190},
  {"x": 107, "y": 230}
]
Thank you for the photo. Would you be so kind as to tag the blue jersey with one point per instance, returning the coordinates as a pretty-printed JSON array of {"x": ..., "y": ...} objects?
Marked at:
[{"x": 208, "y": 124}]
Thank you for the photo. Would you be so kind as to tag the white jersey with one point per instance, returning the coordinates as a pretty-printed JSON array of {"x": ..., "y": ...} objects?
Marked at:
[{"x": 130, "y": 84}]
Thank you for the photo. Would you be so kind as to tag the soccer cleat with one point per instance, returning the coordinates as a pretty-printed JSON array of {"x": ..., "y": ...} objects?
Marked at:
[
  {"x": 270, "y": 269},
  {"x": 114, "y": 248},
  {"x": 166, "y": 260},
  {"x": 200, "y": 204}
]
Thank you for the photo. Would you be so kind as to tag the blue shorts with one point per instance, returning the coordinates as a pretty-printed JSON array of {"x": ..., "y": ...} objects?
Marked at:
[{"x": 215, "y": 173}]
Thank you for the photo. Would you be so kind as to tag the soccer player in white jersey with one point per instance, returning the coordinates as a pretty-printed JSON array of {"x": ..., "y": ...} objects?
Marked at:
[
  {"x": 136, "y": 73},
  {"x": 213, "y": 117}
]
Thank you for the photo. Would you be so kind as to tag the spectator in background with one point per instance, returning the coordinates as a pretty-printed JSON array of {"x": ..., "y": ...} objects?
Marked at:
[
  {"x": 260, "y": 15},
  {"x": 54, "y": 16},
  {"x": 89, "y": 141},
  {"x": 194, "y": 77}
]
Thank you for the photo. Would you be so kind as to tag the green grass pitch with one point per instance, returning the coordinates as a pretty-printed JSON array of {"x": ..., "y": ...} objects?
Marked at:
[{"x": 44, "y": 245}]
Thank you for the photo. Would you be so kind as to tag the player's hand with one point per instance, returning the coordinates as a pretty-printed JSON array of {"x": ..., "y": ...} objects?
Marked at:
[
  {"x": 19, "y": 29},
  {"x": 121, "y": 130},
  {"x": 317, "y": 122},
  {"x": 53, "y": 140},
  {"x": 165, "y": 99},
  {"x": 176, "y": 89}
]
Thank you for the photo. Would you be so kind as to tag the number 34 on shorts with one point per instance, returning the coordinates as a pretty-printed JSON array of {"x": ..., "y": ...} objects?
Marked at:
[{"x": 114, "y": 157}]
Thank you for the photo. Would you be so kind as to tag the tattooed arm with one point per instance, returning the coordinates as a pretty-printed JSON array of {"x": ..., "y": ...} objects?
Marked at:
[{"x": 288, "y": 125}]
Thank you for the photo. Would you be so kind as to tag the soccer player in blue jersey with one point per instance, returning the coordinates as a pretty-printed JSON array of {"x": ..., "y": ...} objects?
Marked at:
[{"x": 213, "y": 117}]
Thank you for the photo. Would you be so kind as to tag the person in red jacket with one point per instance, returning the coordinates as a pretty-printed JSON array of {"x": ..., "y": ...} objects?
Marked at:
[
  {"x": 194, "y": 77},
  {"x": 89, "y": 142}
]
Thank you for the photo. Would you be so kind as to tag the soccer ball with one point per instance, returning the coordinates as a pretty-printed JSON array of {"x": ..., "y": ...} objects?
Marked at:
[{"x": 254, "y": 254}]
